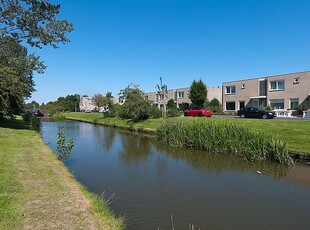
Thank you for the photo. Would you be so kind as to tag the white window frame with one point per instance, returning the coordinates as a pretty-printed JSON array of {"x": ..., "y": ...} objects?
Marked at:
[
  {"x": 277, "y": 85},
  {"x": 230, "y": 89},
  {"x": 181, "y": 94}
]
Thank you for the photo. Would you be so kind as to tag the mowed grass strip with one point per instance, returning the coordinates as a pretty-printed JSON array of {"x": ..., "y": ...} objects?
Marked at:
[
  {"x": 38, "y": 192},
  {"x": 295, "y": 133}
]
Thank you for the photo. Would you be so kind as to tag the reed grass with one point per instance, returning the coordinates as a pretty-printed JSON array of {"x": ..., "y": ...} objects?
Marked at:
[{"x": 224, "y": 138}]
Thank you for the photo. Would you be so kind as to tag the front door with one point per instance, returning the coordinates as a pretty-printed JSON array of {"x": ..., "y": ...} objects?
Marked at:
[{"x": 241, "y": 104}]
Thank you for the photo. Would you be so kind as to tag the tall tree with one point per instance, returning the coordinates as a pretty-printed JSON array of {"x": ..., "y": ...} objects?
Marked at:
[
  {"x": 99, "y": 100},
  {"x": 31, "y": 22},
  {"x": 198, "y": 92},
  {"x": 16, "y": 74}
]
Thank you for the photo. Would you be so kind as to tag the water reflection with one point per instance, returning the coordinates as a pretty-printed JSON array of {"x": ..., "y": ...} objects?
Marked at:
[
  {"x": 153, "y": 181},
  {"x": 134, "y": 149},
  {"x": 217, "y": 163}
]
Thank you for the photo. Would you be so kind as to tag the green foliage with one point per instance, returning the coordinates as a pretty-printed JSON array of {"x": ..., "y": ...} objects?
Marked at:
[
  {"x": 155, "y": 112},
  {"x": 64, "y": 147},
  {"x": 135, "y": 107},
  {"x": 184, "y": 106},
  {"x": 224, "y": 138},
  {"x": 34, "y": 22},
  {"x": 33, "y": 121},
  {"x": 70, "y": 103},
  {"x": 216, "y": 106},
  {"x": 173, "y": 113},
  {"x": 16, "y": 73},
  {"x": 131, "y": 89},
  {"x": 114, "y": 110},
  {"x": 301, "y": 108},
  {"x": 171, "y": 104},
  {"x": 198, "y": 93},
  {"x": 24, "y": 21},
  {"x": 31, "y": 104}
]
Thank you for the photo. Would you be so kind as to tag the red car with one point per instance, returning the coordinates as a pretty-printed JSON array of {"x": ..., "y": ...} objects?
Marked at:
[{"x": 198, "y": 111}]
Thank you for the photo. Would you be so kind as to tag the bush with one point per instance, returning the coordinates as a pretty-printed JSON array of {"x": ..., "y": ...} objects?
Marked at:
[
  {"x": 114, "y": 110},
  {"x": 155, "y": 113},
  {"x": 33, "y": 121},
  {"x": 173, "y": 113},
  {"x": 301, "y": 108},
  {"x": 26, "y": 117}
]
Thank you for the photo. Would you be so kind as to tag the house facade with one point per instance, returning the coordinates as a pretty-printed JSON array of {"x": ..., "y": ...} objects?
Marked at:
[
  {"x": 285, "y": 91},
  {"x": 180, "y": 96},
  {"x": 86, "y": 103}
]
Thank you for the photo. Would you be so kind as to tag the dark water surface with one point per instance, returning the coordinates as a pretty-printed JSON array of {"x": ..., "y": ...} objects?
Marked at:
[{"x": 150, "y": 182}]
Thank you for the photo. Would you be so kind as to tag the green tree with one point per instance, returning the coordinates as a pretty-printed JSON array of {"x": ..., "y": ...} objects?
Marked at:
[
  {"x": 31, "y": 104},
  {"x": 198, "y": 93},
  {"x": 135, "y": 107},
  {"x": 16, "y": 74},
  {"x": 216, "y": 106},
  {"x": 171, "y": 104},
  {"x": 31, "y": 22}
]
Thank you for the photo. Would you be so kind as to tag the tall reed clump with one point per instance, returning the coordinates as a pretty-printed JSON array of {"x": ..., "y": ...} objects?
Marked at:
[{"x": 224, "y": 138}]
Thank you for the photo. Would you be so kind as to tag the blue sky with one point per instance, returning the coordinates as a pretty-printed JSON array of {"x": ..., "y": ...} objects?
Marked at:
[{"x": 118, "y": 42}]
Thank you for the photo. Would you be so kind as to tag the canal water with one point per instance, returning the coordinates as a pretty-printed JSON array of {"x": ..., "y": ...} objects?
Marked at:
[{"x": 155, "y": 186}]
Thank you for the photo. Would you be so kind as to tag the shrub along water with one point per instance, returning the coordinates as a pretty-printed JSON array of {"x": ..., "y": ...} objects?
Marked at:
[{"x": 224, "y": 138}]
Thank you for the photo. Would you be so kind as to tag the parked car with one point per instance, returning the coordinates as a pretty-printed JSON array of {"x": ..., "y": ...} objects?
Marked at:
[
  {"x": 198, "y": 111},
  {"x": 253, "y": 112},
  {"x": 87, "y": 110}
]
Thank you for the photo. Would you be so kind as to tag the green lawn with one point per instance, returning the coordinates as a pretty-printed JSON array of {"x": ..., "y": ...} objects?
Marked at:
[
  {"x": 296, "y": 133},
  {"x": 38, "y": 192}
]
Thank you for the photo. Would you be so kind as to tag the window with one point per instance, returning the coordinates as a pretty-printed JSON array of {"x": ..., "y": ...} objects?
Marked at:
[
  {"x": 277, "y": 85},
  {"x": 230, "y": 89},
  {"x": 181, "y": 94},
  {"x": 277, "y": 104},
  {"x": 230, "y": 105},
  {"x": 294, "y": 102},
  {"x": 242, "y": 86}
]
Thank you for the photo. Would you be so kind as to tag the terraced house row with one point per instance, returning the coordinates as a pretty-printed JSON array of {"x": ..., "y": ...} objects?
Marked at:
[{"x": 280, "y": 92}]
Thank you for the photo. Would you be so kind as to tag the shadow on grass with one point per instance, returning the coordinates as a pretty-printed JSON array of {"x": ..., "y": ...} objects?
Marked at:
[{"x": 14, "y": 124}]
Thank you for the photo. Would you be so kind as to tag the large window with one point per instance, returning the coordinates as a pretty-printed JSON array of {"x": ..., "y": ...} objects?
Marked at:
[
  {"x": 277, "y": 85},
  {"x": 230, "y": 106},
  {"x": 277, "y": 104},
  {"x": 230, "y": 89},
  {"x": 294, "y": 102},
  {"x": 181, "y": 94}
]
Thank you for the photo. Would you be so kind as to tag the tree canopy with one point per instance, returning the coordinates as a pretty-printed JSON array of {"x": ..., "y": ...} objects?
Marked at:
[
  {"x": 198, "y": 93},
  {"x": 31, "y": 22}
]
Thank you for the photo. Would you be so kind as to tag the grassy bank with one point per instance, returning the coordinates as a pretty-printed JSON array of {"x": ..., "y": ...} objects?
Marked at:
[
  {"x": 295, "y": 133},
  {"x": 38, "y": 192}
]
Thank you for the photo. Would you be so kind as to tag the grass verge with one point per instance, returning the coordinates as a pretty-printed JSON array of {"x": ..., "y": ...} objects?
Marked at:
[{"x": 38, "y": 192}]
